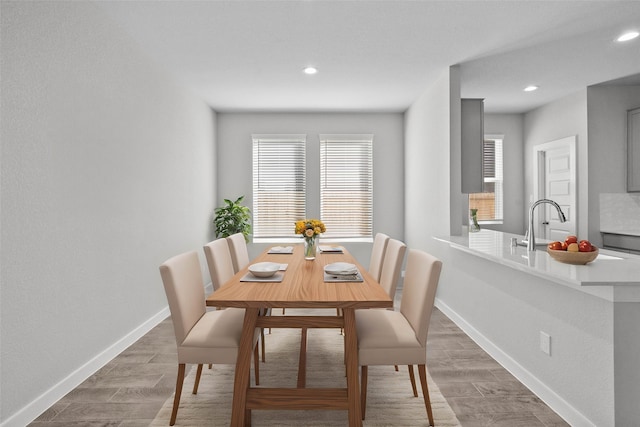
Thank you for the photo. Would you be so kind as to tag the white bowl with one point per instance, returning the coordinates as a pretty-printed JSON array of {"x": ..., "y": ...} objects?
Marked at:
[
  {"x": 577, "y": 258},
  {"x": 264, "y": 269},
  {"x": 341, "y": 268}
]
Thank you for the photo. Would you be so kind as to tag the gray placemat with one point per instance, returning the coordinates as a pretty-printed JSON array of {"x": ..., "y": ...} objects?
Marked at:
[
  {"x": 331, "y": 278},
  {"x": 287, "y": 250},
  {"x": 251, "y": 278}
]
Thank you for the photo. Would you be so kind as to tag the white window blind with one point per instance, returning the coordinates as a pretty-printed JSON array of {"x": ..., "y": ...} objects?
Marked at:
[
  {"x": 279, "y": 180},
  {"x": 346, "y": 185},
  {"x": 490, "y": 203}
]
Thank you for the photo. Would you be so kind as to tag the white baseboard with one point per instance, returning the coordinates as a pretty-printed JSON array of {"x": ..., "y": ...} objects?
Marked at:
[
  {"x": 570, "y": 414},
  {"x": 33, "y": 410}
]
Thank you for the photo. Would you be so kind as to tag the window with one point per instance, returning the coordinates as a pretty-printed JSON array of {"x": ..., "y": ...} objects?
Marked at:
[
  {"x": 346, "y": 185},
  {"x": 279, "y": 180},
  {"x": 490, "y": 202}
]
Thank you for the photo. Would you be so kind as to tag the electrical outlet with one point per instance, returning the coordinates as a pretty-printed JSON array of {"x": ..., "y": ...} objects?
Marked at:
[{"x": 545, "y": 343}]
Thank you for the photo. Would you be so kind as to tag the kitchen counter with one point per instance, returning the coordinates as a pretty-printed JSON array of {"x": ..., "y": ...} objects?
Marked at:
[
  {"x": 613, "y": 275},
  {"x": 568, "y": 332}
]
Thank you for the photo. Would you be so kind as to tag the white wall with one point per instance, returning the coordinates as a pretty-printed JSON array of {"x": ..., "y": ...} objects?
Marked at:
[
  {"x": 235, "y": 161},
  {"x": 564, "y": 117},
  {"x": 428, "y": 167},
  {"x": 607, "y": 113},
  {"x": 107, "y": 170}
]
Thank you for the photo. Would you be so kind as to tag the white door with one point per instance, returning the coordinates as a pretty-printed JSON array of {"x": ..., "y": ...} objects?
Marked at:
[{"x": 556, "y": 180}]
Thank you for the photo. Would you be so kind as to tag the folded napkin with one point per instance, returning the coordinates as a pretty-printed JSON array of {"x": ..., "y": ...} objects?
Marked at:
[
  {"x": 341, "y": 269},
  {"x": 332, "y": 278},
  {"x": 281, "y": 250},
  {"x": 337, "y": 249}
]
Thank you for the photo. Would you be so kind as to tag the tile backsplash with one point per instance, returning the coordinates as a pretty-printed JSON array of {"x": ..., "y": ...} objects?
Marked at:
[{"x": 620, "y": 213}]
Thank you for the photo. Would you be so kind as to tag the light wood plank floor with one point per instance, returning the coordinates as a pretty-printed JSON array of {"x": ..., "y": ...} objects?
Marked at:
[
  {"x": 131, "y": 389},
  {"x": 478, "y": 389}
]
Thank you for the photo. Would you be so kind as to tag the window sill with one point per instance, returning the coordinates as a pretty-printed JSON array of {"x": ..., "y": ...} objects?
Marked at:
[
  {"x": 280, "y": 240},
  {"x": 497, "y": 221}
]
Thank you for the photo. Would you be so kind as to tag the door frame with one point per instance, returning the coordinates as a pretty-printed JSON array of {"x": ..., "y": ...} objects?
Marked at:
[{"x": 539, "y": 176}]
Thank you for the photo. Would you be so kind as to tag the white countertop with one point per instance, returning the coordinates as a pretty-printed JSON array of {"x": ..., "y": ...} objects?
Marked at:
[{"x": 613, "y": 275}]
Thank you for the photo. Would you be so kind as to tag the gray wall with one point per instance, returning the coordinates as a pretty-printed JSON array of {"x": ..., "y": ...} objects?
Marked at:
[
  {"x": 107, "y": 170},
  {"x": 607, "y": 114},
  {"x": 429, "y": 185},
  {"x": 559, "y": 119},
  {"x": 597, "y": 115},
  {"x": 235, "y": 161}
]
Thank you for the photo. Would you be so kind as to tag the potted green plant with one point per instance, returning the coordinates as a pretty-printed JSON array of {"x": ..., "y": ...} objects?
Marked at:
[{"x": 233, "y": 218}]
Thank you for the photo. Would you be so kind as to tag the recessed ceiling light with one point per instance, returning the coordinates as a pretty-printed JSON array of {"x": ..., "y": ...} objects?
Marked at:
[
  {"x": 310, "y": 70},
  {"x": 530, "y": 88},
  {"x": 628, "y": 36}
]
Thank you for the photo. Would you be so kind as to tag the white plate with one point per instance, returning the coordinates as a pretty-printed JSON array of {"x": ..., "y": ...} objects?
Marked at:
[
  {"x": 264, "y": 269},
  {"x": 341, "y": 268}
]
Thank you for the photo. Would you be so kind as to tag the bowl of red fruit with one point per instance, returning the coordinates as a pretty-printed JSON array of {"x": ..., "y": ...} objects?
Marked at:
[{"x": 572, "y": 251}]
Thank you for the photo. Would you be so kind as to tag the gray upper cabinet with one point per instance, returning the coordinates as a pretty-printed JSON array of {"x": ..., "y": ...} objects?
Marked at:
[
  {"x": 633, "y": 150},
  {"x": 472, "y": 118}
]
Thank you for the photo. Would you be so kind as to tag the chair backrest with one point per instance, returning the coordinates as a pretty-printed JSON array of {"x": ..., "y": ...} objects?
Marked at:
[
  {"x": 239, "y": 251},
  {"x": 182, "y": 279},
  {"x": 377, "y": 255},
  {"x": 419, "y": 291},
  {"x": 392, "y": 265},
  {"x": 219, "y": 262}
]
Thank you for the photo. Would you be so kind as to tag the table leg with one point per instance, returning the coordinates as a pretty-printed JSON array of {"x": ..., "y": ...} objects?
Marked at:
[
  {"x": 351, "y": 358},
  {"x": 243, "y": 370},
  {"x": 302, "y": 360}
]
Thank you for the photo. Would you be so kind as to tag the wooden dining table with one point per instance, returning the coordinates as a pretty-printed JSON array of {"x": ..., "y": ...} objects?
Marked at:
[{"x": 303, "y": 285}]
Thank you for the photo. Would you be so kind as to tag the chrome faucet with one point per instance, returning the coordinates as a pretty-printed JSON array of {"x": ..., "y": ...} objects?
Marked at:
[{"x": 531, "y": 242}]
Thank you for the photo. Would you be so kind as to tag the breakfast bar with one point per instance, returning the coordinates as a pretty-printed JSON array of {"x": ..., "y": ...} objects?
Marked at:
[{"x": 571, "y": 333}]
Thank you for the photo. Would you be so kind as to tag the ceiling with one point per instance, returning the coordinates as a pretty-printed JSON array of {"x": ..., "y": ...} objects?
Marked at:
[{"x": 381, "y": 55}]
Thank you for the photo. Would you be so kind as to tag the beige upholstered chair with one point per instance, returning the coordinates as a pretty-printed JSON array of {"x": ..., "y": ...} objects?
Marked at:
[
  {"x": 387, "y": 337},
  {"x": 392, "y": 266},
  {"x": 221, "y": 266},
  {"x": 239, "y": 251},
  {"x": 391, "y": 263},
  {"x": 201, "y": 336},
  {"x": 219, "y": 261},
  {"x": 377, "y": 254}
]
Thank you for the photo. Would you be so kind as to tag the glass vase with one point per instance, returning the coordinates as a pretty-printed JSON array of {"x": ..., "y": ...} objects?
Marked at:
[{"x": 310, "y": 248}]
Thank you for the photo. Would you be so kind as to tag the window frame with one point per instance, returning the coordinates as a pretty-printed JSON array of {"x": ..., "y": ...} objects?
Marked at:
[
  {"x": 498, "y": 179},
  {"x": 358, "y": 180},
  {"x": 295, "y": 164}
]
